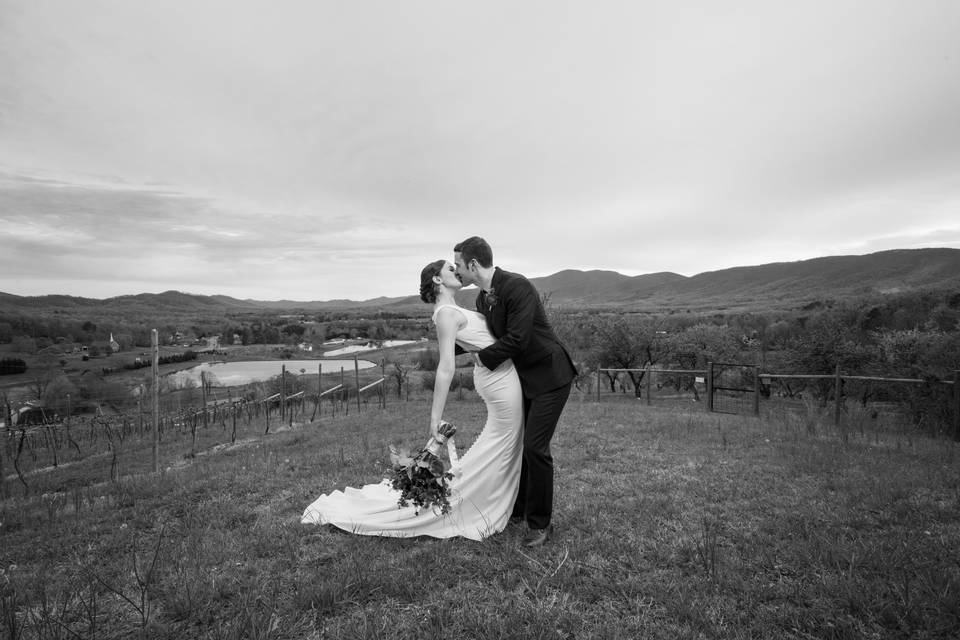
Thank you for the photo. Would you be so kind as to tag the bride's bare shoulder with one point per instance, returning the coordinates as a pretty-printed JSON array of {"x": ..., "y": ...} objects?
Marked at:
[{"x": 448, "y": 314}]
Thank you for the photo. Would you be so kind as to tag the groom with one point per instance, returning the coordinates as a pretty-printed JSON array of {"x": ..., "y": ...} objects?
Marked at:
[{"x": 516, "y": 317}]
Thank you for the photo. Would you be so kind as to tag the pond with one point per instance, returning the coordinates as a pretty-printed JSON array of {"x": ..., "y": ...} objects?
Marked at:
[{"x": 229, "y": 374}]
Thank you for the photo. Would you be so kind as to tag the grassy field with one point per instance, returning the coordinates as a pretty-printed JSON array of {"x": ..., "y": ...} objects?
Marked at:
[{"x": 670, "y": 523}]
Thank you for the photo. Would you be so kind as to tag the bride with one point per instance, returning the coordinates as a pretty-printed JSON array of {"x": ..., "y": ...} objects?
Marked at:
[{"x": 484, "y": 486}]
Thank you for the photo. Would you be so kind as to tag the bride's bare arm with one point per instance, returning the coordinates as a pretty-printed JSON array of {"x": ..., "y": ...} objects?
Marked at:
[{"x": 448, "y": 321}]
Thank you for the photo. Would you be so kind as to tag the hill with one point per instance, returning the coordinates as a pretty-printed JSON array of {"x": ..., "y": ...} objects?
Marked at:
[
  {"x": 774, "y": 285},
  {"x": 793, "y": 283},
  {"x": 781, "y": 284}
]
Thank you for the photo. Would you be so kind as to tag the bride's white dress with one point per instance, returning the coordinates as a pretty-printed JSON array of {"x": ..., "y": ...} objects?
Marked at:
[{"x": 484, "y": 487}]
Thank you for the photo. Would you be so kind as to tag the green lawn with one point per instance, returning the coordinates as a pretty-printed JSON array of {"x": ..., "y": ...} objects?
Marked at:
[{"x": 670, "y": 523}]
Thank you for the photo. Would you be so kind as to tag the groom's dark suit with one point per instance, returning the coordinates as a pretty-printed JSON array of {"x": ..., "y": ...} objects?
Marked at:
[{"x": 516, "y": 317}]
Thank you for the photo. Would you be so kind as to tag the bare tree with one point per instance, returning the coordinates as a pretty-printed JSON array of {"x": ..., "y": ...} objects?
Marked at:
[
  {"x": 622, "y": 342},
  {"x": 400, "y": 373},
  {"x": 44, "y": 373}
]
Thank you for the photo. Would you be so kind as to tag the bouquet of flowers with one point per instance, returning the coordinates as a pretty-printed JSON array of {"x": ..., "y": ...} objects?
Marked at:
[{"x": 422, "y": 478}]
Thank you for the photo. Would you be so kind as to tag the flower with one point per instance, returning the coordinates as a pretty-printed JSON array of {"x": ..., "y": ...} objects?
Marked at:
[
  {"x": 491, "y": 298},
  {"x": 422, "y": 478}
]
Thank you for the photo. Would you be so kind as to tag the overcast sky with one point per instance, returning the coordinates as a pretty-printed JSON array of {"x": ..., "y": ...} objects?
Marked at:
[{"x": 316, "y": 150}]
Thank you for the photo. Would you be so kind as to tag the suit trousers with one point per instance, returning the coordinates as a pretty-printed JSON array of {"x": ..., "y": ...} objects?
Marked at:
[{"x": 535, "y": 494}]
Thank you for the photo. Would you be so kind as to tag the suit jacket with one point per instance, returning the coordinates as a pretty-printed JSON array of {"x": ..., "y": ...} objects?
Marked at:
[{"x": 516, "y": 317}]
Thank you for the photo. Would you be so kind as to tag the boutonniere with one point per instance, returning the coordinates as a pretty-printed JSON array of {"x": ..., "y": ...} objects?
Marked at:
[{"x": 491, "y": 299}]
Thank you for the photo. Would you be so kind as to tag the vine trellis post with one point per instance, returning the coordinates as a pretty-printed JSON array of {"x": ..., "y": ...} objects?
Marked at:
[
  {"x": 356, "y": 375},
  {"x": 155, "y": 370},
  {"x": 283, "y": 391},
  {"x": 956, "y": 404}
]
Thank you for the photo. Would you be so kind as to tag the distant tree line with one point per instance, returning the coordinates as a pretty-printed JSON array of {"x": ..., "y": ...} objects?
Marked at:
[
  {"x": 914, "y": 336},
  {"x": 33, "y": 333},
  {"x": 140, "y": 363}
]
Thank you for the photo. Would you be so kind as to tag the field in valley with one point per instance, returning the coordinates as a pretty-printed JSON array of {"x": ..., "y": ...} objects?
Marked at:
[{"x": 671, "y": 523}]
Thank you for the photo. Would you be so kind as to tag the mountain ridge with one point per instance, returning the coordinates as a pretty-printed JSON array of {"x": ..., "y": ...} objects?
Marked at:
[{"x": 778, "y": 283}]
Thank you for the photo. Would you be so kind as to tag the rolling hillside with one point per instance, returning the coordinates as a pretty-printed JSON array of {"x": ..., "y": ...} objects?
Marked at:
[
  {"x": 776, "y": 285},
  {"x": 782, "y": 284}
]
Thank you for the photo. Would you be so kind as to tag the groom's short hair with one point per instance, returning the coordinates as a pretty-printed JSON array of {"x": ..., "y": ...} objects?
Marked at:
[{"x": 475, "y": 248}]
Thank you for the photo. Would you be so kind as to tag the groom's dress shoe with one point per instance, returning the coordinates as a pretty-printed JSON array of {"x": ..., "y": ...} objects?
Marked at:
[{"x": 537, "y": 537}]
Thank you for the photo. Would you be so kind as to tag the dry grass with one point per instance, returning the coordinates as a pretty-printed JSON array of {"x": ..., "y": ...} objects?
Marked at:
[{"x": 670, "y": 524}]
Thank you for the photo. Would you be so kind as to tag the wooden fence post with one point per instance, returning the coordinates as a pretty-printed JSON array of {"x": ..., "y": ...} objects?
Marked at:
[
  {"x": 356, "y": 377},
  {"x": 383, "y": 374},
  {"x": 756, "y": 390},
  {"x": 193, "y": 423},
  {"x": 956, "y": 404},
  {"x": 203, "y": 386},
  {"x": 318, "y": 407},
  {"x": 649, "y": 375},
  {"x": 51, "y": 437},
  {"x": 3, "y": 474},
  {"x": 283, "y": 391},
  {"x": 598, "y": 384},
  {"x": 709, "y": 382},
  {"x": 266, "y": 412},
  {"x": 836, "y": 393},
  {"x": 155, "y": 369},
  {"x": 233, "y": 415}
]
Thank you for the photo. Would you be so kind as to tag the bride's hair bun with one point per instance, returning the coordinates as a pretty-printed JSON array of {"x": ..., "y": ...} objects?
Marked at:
[{"x": 428, "y": 288}]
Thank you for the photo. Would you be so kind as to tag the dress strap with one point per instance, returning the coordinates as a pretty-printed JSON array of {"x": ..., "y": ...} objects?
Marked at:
[{"x": 444, "y": 306}]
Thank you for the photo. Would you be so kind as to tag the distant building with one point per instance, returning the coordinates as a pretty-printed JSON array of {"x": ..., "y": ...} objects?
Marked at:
[
  {"x": 31, "y": 413},
  {"x": 114, "y": 345}
]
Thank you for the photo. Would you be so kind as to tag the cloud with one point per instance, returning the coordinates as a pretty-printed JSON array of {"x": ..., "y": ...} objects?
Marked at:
[
  {"x": 85, "y": 235},
  {"x": 323, "y": 149}
]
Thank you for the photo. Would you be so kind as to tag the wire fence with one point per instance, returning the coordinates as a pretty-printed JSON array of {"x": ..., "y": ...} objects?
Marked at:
[
  {"x": 181, "y": 423},
  {"x": 930, "y": 403},
  {"x": 176, "y": 425}
]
